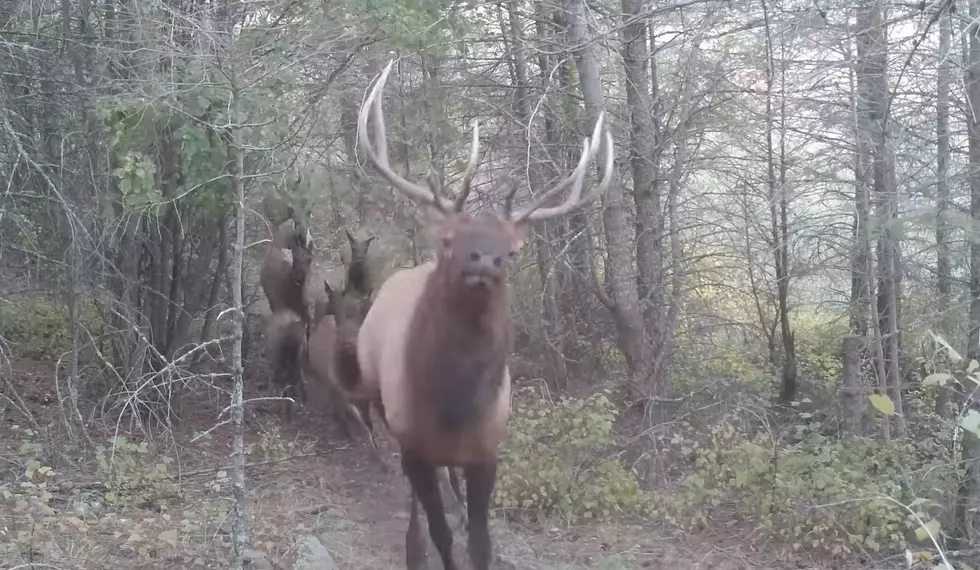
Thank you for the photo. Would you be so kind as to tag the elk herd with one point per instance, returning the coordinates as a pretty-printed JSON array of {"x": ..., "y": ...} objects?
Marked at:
[{"x": 427, "y": 350}]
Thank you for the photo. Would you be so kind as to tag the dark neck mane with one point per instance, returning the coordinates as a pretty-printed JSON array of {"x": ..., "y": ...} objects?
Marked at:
[
  {"x": 457, "y": 346},
  {"x": 357, "y": 277}
]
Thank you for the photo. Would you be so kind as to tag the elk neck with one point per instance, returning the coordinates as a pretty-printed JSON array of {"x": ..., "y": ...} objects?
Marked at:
[{"x": 457, "y": 348}]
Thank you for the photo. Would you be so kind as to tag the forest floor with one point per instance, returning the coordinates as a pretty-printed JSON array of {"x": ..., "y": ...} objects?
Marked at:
[{"x": 304, "y": 481}]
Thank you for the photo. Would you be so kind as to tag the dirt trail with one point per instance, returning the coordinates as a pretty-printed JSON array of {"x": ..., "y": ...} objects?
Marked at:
[{"x": 359, "y": 512}]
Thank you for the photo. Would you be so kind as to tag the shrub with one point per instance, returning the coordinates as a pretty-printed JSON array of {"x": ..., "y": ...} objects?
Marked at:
[
  {"x": 818, "y": 494},
  {"x": 38, "y": 327},
  {"x": 134, "y": 474},
  {"x": 556, "y": 460}
]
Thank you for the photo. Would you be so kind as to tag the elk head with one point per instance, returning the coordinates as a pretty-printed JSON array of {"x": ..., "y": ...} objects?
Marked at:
[
  {"x": 359, "y": 247},
  {"x": 476, "y": 251}
]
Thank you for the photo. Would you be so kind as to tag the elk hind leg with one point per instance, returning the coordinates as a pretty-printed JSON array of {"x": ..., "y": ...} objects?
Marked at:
[
  {"x": 416, "y": 557},
  {"x": 459, "y": 503}
]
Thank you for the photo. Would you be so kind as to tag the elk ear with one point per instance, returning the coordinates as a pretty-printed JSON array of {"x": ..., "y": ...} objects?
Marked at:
[
  {"x": 326, "y": 288},
  {"x": 370, "y": 239},
  {"x": 350, "y": 237}
]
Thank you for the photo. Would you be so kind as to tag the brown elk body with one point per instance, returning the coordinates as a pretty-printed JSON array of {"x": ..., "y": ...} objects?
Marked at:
[
  {"x": 434, "y": 345},
  {"x": 332, "y": 361},
  {"x": 332, "y": 358},
  {"x": 286, "y": 346},
  {"x": 285, "y": 268}
]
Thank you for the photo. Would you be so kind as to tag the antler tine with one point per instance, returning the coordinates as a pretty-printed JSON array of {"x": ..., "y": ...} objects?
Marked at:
[
  {"x": 464, "y": 191},
  {"x": 509, "y": 198},
  {"x": 607, "y": 172},
  {"x": 379, "y": 156},
  {"x": 576, "y": 180},
  {"x": 436, "y": 189}
]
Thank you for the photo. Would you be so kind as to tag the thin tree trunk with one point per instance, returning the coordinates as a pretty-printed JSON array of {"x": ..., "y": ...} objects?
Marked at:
[
  {"x": 869, "y": 110},
  {"x": 779, "y": 217},
  {"x": 860, "y": 299},
  {"x": 240, "y": 527},
  {"x": 944, "y": 272},
  {"x": 886, "y": 211},
  {"x": 851, "y": 403},
  {"x": 966, "y": 511}
]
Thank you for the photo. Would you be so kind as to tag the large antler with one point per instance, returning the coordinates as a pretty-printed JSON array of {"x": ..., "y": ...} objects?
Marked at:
[
  {"x": 576, "y": 180},
  {"x": 379, "y": 155}
]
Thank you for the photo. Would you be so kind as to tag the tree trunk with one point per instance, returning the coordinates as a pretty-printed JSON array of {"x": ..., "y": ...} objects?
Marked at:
[
  {"x": 240, "y": 526},
  {"x": 944, "y": 272},
  {"x": 860, "y": 300},
  {"x": 873, "y": 101},
  {"x": 967, "y": 513},
  {"x": 851, "y": 394},
  {"x": 647, "y": 192},
  {"x": 620, "y": 269},
  {"x": 779, "y": 215}
]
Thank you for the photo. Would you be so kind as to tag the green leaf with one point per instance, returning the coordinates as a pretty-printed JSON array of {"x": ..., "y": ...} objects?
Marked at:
[
  {"x": 883, "y": 404},
  {"x": 930, "y": 528},
  {"x": 937, "y": 379},
  {"x": 971, "y": 422}
]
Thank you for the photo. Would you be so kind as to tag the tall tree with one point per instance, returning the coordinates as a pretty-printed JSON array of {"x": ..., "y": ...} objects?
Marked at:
[
  {"x": 944, "y": 272},
  {"x": 621, "y": 273},
  {"x": 877, "y": 164},
  {"x": 645, "y": 155}
]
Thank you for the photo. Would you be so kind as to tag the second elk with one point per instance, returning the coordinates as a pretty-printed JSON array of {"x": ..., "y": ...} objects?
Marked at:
[
  {"x": 434, "y": 345},
  {"x": 332, "y": 359},
  {"x": 283, "y": 279}
]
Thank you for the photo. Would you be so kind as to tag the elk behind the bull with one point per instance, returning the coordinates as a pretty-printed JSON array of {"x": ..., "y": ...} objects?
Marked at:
[
  {"x": 332, "y": 359},
  {"x": 285, "y": 268},
  {"x": 285, "y": 336}
]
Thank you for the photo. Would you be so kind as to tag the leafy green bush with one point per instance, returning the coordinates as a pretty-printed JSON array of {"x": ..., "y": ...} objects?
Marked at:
[
  {"x": 818, "y": 494},
  {"x": 556, "y": 460},
  {"x": 818, "y": 338},
  {"x": 135, "y": 476},
  {"x": 38, "y": 327}
]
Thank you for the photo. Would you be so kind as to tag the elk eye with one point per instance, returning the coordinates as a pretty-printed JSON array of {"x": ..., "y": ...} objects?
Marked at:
[
  {"x": 475, "y": 256},
  {"x": 447, "y": 241},
  {"x": 512, "y": 254}
]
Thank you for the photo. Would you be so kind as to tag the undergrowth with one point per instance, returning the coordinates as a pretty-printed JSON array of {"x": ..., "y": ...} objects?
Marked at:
[
  {"x": 134, "y": 512},
  {"x": 836, "y": 496},
  {"x": 38, "y": 326},
  {"x": 557, "y": 460}
]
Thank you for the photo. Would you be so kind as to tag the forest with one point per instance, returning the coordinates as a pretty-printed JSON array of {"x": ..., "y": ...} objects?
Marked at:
[{"x": 754, "y": 344}]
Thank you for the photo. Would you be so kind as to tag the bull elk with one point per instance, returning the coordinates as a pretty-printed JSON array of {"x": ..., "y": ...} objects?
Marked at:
[
  {"x": 332, "y": 362},
  {"x": 434, "y": 344}
]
